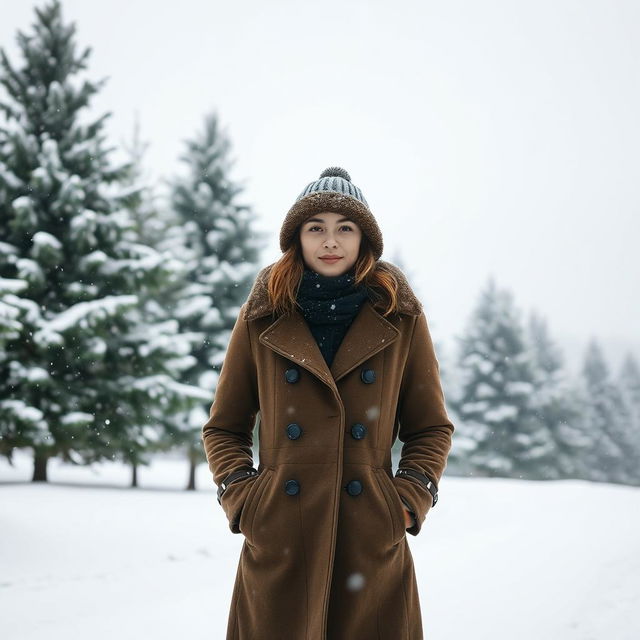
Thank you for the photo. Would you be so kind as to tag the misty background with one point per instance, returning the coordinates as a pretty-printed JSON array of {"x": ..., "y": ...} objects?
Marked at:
[{"x": 488, "y": 137}]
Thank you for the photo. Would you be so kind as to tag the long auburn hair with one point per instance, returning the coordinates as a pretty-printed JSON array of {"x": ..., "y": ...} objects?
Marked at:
[{"x": 286, "y": 274}]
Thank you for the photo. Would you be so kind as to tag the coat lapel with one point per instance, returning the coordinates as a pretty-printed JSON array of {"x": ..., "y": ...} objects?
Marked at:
[
  {"x": 291, "y": 337},
  {"x": 369, "y": 333}
]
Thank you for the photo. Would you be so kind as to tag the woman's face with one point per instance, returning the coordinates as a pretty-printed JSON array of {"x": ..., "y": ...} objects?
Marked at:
[{"x": 330, "y": 233}]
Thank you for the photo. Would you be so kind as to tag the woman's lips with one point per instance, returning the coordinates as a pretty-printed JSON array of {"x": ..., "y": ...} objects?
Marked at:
[{"x": 331, "y": 260}]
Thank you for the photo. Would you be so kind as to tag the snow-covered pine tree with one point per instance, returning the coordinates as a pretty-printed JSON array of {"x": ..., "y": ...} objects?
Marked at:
[
  {"x": 556, "y": 404},
  {"x": 12, "y": 314},
  {"x": 607, "y": 421},
  {"x": 86, "y": 375},
  {"x": 215, "y": 239},
  {"x": 629, "y": 383},
  {"x": 151, "y": 228},
  {"x": 497, "y": 435},
  {"x": 150, "y": 219}
]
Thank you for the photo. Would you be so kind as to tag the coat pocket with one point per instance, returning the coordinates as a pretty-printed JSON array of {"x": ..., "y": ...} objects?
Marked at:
[
  {"x": 252, "y": 502},
  {"x": 394, "y": 502}
]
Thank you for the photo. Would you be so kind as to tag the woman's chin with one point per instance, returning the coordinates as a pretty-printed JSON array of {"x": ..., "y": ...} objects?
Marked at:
[{"x": 331, "y": 268}]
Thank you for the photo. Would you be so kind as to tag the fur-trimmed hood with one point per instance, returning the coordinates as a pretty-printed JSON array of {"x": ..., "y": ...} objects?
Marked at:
[{"x": 258, "y": 303}]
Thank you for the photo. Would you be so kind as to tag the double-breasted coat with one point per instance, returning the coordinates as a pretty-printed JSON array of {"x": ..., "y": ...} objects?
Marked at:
[{"x": 325, "y": 554}]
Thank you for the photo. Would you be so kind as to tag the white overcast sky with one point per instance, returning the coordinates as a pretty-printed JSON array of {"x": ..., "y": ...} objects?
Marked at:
[{"x": 490, "y": 138}]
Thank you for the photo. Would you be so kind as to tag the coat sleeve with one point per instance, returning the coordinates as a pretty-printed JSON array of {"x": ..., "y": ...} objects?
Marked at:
[
  {"x": 228, "y": 433},
  {"x": 409, "y": 510},
  {"x": 425, "y": 428}
]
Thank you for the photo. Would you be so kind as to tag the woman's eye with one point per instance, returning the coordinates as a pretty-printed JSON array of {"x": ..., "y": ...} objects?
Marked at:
[{"x": 345, "y": 226}]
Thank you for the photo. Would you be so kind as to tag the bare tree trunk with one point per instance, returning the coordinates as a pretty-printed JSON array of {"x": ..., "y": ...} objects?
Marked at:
[
  {"x": 39, "y": 466},
  {"x": 134, "y": 474},
  {"x": 191, "y": 485}
]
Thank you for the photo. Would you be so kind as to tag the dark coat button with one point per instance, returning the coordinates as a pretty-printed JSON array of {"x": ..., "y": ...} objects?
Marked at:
[
  {"x": 291, "y": 487},
  {"x": 294, "y": 431},
  {"x": 292, "y": 375},
  {"x": 368, "y": 375},
  {"x": 354, "y": 487},
  {"x": 358, "y": 431}
]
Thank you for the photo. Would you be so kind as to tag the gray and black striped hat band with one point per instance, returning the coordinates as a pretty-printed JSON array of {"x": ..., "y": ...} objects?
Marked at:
[{"x": 334, "y": 183}]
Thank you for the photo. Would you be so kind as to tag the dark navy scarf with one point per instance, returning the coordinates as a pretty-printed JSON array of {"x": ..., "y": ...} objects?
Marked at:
[{"x": 329, "y": 304}]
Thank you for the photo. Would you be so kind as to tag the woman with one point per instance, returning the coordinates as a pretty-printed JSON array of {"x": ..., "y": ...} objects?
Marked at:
[{"x": 332, "y": 357}]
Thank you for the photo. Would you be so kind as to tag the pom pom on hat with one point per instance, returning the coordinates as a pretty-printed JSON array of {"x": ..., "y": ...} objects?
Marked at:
[{"x": 337, "y": 172}]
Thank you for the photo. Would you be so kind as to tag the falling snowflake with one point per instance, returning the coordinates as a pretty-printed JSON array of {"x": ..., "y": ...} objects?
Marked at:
[
  {"x": 355, "y": 582},
  {"x": 373, "y": 413}
]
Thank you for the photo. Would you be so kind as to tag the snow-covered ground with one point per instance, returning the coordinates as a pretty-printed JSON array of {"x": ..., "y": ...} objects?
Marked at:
[{"x": 87, "y": 557}]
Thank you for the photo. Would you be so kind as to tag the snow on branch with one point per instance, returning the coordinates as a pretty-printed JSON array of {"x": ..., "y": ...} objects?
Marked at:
[{"x": 84, "y": 314}]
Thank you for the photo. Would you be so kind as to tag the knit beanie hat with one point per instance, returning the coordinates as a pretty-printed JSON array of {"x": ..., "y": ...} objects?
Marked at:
[{"x": 333, "y": 191}]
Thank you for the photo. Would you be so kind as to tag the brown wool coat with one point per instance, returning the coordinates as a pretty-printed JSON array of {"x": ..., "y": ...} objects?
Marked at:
[{"x": 325, "y": 554}]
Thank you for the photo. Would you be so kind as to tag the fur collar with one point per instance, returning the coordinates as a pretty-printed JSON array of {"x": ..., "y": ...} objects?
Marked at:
[{"x": 258, "y": 304}]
